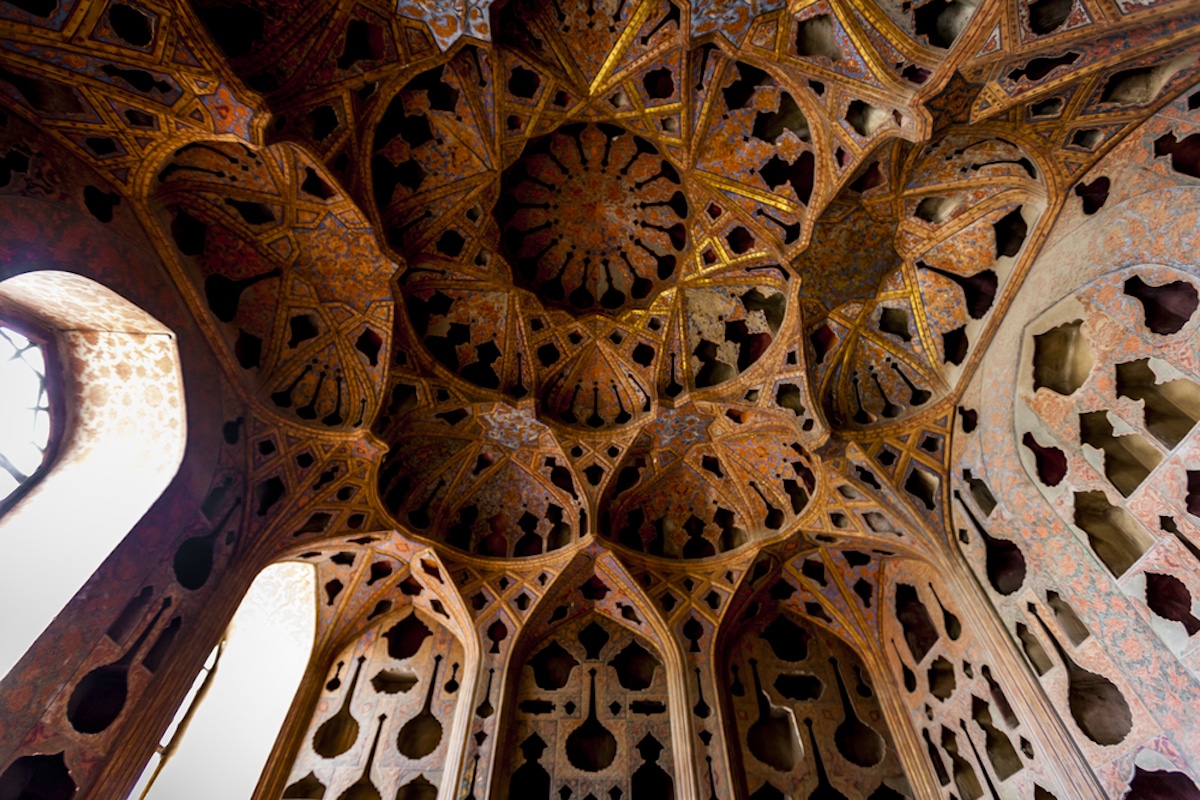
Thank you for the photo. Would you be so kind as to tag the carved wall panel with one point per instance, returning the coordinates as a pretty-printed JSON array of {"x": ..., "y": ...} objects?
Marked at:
[
  {"x": 958, "y": 699},
  {"x": 495, "y": 309},
  {"x": 1081, "y": 518},
  {"x": 806, "y": 714},
  {"x": 589, "y": 716},
  {"x": 385, "y": 713}
]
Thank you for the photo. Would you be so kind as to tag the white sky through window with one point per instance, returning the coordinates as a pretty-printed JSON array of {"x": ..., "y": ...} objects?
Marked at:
[{"x": 24, "y": 411}]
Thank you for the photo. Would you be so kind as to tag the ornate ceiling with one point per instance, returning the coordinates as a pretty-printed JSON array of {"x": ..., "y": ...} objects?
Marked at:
[
  {"x": 636, "y": 225},
  {"x": 628, "y": 269},
  {"x": 643, "y": 279}
]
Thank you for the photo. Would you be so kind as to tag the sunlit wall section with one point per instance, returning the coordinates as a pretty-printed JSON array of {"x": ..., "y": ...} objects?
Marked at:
[{"x": 118, "y": 443}]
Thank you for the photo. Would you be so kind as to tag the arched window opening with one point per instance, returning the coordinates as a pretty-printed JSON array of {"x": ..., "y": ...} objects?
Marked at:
[
  {"x": 225, "y": 728},
  {"x": 119, "y": 433},
  {"x": 24, "y": 411}
]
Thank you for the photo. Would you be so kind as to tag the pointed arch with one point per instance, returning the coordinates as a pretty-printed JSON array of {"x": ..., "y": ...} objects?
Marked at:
[{"x": 119, "y": 441}]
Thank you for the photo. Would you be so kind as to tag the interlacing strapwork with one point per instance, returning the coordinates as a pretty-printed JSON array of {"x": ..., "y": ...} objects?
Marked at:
[{"x": 722, "y": 399}]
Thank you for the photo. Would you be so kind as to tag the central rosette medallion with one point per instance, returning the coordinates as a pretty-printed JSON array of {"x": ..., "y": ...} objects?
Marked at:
[{"x": 594, "y": 218}]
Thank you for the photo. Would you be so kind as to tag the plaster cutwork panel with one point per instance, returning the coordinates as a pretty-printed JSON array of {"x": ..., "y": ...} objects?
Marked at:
[
  {"x": 290, "y": 273},
  {"x": 384, "y": 715},
  {"x": 1092, "y": 528},
  {"x": 556, "y": 287},
  {"x": 589, "y": 717},
  {"x": 958, "y": 699},
  {"x": 807, "y": 718},
  {"x": 891, "y": 335},
  {"x": 1107, "y": 401}
]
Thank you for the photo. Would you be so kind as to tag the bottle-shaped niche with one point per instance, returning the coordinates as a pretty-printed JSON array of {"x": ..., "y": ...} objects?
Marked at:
[
  {"x": 338, "y": 733},
  {"x": 772, "y": 738},
  {"x": 910, "y": 678},
  {"x": 1096, "y": 703},
  {"x": 650, "y": 779},
  {"x": 1005, "y": 564},
  {"x": 336, "y": 681},
  {"x": 194, "y": 558},
  {"x": 858, "y": 742},
  {"x": 825, "y": 790},
  {"x": 486, "y": 709},
  {"x": 935, "y": 758},
  {"x": 999, "y": 747},
  {"x": 949, "y": 620},
  {"x": 99, "y": 697},
  {"x": 736, "y": 688},
  {"x": 591, "y": 747},
  {"x": 965, "y": 779},
  {"x": 701, "y": 708},
  {"x": 474, "y": 775},
  {"x": 421, "y": 735},
  {"x": 364, "y": 788},
  {"x": 530, "y": 779}
]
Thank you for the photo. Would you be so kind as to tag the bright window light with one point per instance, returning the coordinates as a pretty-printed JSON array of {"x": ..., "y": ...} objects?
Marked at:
[{"x": 24, "y": 410}]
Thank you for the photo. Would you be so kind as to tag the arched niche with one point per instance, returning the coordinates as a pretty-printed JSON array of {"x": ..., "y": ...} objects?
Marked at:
[
  {"x": 385, "y": 711},
  {"x": 804, "y": 712},
  {"x": 241, "y": 697},
  {"x": 119, "y": 439},
  {"x": 269, "y": 252},
  {"x": 588, "y": 712},
  {"x": 964, "y": 703}
]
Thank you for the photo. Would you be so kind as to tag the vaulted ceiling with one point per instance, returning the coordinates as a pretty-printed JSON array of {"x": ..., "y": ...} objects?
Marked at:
[{"x": 690, "y": 280}]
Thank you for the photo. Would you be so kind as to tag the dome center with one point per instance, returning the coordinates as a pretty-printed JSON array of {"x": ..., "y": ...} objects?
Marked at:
[{"x": 594, "y": 218}]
